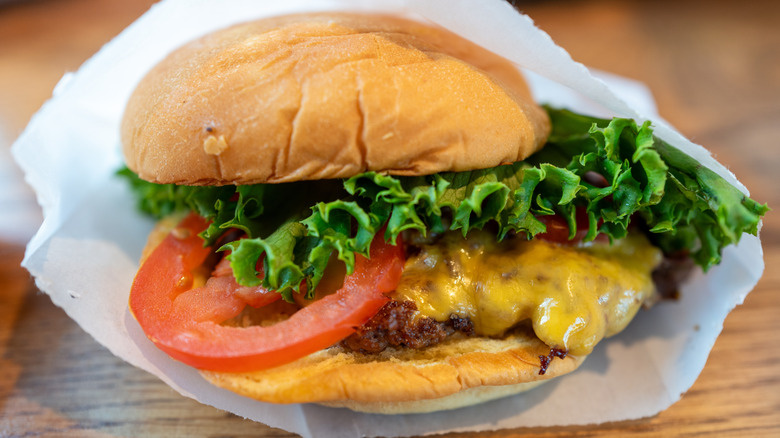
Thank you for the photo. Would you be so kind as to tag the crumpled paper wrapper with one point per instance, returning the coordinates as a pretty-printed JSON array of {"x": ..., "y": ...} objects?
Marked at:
[{"x": 86, "y": 251}]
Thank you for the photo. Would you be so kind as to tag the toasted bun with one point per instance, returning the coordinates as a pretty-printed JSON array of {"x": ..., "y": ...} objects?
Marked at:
[
  {"x": 459, "y": 372},
  {"x": 328, "y": 96}
]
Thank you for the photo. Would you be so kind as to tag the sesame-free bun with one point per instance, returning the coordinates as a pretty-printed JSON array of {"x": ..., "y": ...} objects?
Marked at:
[
  {"x": 462, "y": 371},
  {"x": 319, "y": 96}
]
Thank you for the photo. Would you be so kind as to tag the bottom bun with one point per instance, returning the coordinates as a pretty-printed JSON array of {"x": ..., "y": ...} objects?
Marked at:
[
  {"x": 466, "y": 397},
  {"x": 461, "y": 371}
]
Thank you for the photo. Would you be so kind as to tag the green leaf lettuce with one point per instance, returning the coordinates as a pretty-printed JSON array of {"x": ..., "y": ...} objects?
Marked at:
[{"x": 614, "y": 170}]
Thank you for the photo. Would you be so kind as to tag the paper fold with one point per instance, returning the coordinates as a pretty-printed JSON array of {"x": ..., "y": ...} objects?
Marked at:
[{"x": 85, "y": 253}]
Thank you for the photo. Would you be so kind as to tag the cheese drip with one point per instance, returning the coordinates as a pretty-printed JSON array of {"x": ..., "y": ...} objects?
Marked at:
[{"x": 573, "y": 296}]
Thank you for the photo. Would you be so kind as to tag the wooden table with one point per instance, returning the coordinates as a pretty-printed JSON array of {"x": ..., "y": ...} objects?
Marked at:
[{"x": 714, "y": 67}]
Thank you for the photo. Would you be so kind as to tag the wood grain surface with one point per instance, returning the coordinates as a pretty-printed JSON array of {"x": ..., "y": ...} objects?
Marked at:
[{"x": 714, "y": 67}]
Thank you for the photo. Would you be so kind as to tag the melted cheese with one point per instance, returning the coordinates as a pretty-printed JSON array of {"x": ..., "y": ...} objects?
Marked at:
[{"x": 573, "y": 296}]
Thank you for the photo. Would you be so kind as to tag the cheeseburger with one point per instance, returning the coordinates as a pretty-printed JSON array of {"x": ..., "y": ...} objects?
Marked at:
[{"x": 370, "y": 212}]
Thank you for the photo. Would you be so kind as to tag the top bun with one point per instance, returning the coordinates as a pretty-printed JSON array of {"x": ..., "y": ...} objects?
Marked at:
[{"x": 318, "y": 96}]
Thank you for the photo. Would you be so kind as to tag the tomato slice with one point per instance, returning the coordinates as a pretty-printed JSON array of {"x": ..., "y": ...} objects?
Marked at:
[
  {"x": 185, "y": 322},
  {"x": 558, "y": 229}
]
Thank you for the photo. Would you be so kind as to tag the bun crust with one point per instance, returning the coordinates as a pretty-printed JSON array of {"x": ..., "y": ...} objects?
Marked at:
[
  {"x": 320, "y": 96},
  {"x": 459, "y": 372}
]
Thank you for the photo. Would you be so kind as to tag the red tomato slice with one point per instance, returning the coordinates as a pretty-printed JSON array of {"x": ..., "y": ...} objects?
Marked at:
[
  {"x": 558, "y": 229},
  {"x": 185, "y": 322}
]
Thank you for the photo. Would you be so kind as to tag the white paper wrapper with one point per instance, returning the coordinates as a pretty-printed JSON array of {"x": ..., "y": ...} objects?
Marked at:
[{"x": 85, "y": 253}]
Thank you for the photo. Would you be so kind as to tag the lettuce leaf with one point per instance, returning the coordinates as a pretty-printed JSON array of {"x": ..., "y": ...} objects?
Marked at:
[{"x": 615, "y": 170}]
